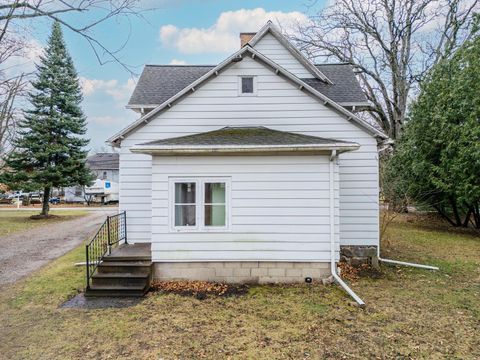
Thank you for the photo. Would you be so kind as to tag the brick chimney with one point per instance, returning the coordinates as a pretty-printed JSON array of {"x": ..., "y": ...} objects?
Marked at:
[{"x": 245, "y": 37}]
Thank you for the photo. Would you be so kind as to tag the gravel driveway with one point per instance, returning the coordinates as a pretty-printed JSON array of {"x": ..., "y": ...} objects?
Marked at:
[{"x": 24, "y": 252}]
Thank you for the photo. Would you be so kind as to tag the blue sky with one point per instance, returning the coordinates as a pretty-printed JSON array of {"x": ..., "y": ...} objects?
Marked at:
[{"x": 176, "y": 32}]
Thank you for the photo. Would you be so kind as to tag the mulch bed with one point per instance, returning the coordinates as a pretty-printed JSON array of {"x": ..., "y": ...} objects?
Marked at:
[{"x": 199, "y": 289}]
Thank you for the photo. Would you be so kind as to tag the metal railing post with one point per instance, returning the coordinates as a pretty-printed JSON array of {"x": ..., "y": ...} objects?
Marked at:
[
  {"x": 88, "y": 267},
  {"x": 108, "y": 236},
  {"x": 125, "y": 225}
]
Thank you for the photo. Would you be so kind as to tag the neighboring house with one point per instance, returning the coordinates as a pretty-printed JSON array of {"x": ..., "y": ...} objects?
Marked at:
[
  {"x": 104, "y": 167},
  {"x": 252, "y": 169}
]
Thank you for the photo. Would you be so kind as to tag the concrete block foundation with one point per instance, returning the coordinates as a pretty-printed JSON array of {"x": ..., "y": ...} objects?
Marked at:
[
  {"x": 242, "y": 272},
  {"x": 357, "y": 255}
]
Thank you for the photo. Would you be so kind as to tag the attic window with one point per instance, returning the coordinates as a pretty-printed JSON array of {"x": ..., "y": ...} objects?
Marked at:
[{"x": 247, "y": 86}]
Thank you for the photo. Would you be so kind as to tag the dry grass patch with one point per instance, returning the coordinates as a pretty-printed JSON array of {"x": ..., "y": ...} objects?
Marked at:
[
  {"x": 18, "y": 220},
  {"x": 410, "y": 313}
]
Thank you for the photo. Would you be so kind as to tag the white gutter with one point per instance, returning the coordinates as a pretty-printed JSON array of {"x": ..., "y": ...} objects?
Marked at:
[
  {"x": 169, "y": 150},
  {"x": 333, "y": 266}
]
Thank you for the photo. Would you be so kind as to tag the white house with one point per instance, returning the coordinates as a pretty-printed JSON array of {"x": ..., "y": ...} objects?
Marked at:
[
  {"x": 104, "y": 166},
  {"x": 256, "y": 169}
]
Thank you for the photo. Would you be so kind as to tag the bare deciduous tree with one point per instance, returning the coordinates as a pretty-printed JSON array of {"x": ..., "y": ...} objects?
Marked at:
[
  {"x": 17, "y": 22},
  {"x": 392, "y": 43}
]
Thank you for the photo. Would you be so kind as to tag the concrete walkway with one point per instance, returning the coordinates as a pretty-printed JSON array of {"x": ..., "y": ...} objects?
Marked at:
[{"x": 25, "y": 251}]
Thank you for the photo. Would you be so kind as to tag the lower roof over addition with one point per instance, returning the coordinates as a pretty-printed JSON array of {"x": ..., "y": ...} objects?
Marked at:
[{"x": 243, "y": 140}]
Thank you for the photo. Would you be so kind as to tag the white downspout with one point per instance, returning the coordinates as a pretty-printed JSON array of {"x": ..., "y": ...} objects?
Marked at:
[
  {"x": 333, "y": 266},
  {"x": 396, "y": 262}
]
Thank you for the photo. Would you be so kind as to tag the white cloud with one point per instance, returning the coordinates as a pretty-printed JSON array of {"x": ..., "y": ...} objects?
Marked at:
[
  {"x": 89, "y": 86},
  {"x": 222, "y": 37},
  {"x": 123, "y": 91},
  {"x": 177, "y": 62},
  {"x": 119, "y": 92},
  {"x": 23, "y": 60}
]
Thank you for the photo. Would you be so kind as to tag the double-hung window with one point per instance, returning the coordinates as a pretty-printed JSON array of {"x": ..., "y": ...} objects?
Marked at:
[
  {"x": 200, "y": 204},
  {"x": 185, "y": 204}
]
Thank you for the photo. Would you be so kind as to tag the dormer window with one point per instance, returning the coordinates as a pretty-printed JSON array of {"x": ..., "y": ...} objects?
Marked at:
[{"x": 247, "y": 85}]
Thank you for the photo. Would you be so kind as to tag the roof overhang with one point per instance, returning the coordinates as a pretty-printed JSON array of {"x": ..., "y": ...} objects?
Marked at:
[
  {"x": 279, "y": 70},
  {"x": 212, "y": 150},
  {"x": 269, "y": 27}
]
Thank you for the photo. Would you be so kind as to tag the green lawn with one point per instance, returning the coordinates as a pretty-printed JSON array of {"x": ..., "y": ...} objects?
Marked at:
[
  {"x": 410, "y": 313},
  {"x": 17, "y": 220}
]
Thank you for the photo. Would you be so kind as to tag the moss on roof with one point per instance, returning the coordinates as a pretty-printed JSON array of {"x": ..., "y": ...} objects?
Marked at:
[{"x": 245, "y": 136}]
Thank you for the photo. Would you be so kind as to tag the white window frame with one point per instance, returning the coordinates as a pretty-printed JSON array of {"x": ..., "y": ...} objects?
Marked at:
[
  {"x": 254, "y": 93},
  {"x": 199, "y": 204}
]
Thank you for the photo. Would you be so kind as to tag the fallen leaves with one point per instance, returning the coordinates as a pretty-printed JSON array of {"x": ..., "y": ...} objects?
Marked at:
[
  {"x": 353, "y": 273},
  {"x": 199, "y": 289}
]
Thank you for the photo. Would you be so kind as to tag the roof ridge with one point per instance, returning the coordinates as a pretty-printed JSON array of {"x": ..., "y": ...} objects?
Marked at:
[{"x": 179, "y": 65}]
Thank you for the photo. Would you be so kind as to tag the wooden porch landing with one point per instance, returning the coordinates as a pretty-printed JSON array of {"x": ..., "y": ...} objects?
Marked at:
[{"x": 131, "y": 252}]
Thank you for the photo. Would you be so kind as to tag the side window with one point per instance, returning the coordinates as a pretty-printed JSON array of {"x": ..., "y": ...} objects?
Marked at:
[
  {"x": 247, "y": 85},
  {"x": 185, "y": 204},
  {"x": 215, "y": 204},
  {"x": 200, "y": 204}
]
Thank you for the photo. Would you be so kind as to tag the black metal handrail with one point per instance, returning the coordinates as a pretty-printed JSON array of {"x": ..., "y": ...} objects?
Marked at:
[{"x": 110, "y": 234}]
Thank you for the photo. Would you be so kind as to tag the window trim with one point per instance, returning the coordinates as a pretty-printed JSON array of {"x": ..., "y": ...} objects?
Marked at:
[
  {"x": 199, "y": 204},
  {"x": 187, "y": 204},
  {"x": 254, "y": 93}
]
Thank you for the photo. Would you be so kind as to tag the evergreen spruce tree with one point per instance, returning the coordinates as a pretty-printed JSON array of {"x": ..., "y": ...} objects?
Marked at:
[
  {"x": 50, "y": 149},
  {"x": 437, "y": 160}
]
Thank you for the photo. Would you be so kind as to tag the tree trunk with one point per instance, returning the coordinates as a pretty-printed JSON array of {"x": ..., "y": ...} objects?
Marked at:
[
  {"x": 467, "y": 217},
  {"x": 444, "y": 215},
  {"x": 456, "y": 214},
  {"x": 45, "y": 203},
  {"x": 476, "y": 215}
]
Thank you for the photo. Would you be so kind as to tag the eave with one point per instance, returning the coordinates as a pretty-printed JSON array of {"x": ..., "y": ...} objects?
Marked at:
[
  {"x": 271, "y": 28},
  {"x": 237, "y": 56},
  {"x": 202, "y": 150}
]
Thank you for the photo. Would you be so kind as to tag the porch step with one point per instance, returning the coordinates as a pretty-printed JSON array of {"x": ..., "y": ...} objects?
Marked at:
[
  {"x": 140, "y": 278},
  {"x": 134, "y": 267},
  {"x": 130, "y": 252},
  {"x": 114, "y": 258},
  {"x": 126, "y": 272},
  {"x": 117, "y": 290}
]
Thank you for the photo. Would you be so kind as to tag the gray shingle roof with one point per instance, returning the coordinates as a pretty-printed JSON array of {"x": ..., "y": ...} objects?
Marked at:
[
  {"x": 103, "y": 161},
  {"x": 158, "y": 83},
  {"x": 231, "y": 136},
  {"x": 345, "y": 88}
]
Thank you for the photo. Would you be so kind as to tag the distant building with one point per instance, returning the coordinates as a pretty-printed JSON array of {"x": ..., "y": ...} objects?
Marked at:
[{"x": 105, "y": 168}]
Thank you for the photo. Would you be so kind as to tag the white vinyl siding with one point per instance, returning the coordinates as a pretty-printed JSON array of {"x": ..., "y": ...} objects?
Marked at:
[
  {"x": 274, "y": 50},
  {"x": 261, "y": 227},
  {"x": 278, "y": 105}
]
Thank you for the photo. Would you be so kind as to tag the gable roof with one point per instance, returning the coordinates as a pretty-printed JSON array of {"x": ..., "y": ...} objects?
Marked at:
[
  {"x": 269, "y": 27},
  {"x": 237, "y": 56},
  {"x": 345, "y": 89},
  {"x": 250, "y": 139},
  {"x": 158, "y": 83},
  {"x": 103, "y": 161}
]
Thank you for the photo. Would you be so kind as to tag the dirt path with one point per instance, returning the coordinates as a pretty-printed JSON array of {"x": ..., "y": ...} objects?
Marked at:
[{"x": 24, "y": 252}]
